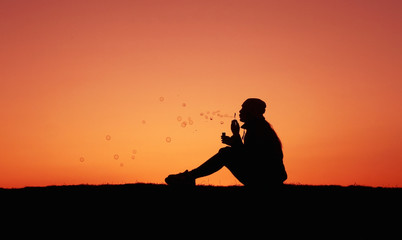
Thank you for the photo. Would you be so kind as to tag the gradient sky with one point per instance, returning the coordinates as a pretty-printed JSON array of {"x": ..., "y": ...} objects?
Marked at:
[{"x": 97, "y": 92}]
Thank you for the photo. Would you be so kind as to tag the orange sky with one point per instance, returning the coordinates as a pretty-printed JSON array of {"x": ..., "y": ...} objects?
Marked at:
[{"x": 73, "y": 72}]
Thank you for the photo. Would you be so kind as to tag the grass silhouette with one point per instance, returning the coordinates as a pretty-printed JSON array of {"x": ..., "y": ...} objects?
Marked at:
[
  {"x": 153, "y": 208},
  {"x": 148, "y": 193}
]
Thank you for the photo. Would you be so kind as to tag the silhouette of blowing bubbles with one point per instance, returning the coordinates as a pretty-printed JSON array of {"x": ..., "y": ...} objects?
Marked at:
[{"x": 258, "y": 161}]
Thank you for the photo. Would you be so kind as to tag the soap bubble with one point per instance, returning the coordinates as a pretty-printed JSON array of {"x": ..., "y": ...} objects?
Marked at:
[
  {"x": 222, "y": 122},
  {"x": 133, "y": 157},
  {"x": 121, "y": 164},
  {"x": 179, "y": 118},
  {"x": 202, "y": 114},
  {"x": 143, "y": 121},
  {"x": 190, "y": 121},
  {"x": 184, "y": 124},
  {"x": 134, "y": 151},
  {"x": 161, "y": 99},
  {"x": 108, "y": 137},
  {"x": 168, "y": 139},
  {"x": 116, "y": 156},
  {"x": 183, "y": 104},
  {"x": 82, "y": 159}
]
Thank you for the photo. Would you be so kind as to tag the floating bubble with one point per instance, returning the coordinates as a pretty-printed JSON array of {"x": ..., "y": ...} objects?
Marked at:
[
  {"x": 161, "y": 99},
  {"x": 134, "y": 151},
  {"x": 143, "y": 121},
  {"x": 133, "y": 157},
  {"x": 183, "y": 104},
  {"x": 168, "y": 139},
  {"x": 202, "y": 114},
  {"x": 82, "y": 159},
  {"x": 206, "y": 116},
  {"x": 190, "y": 121},
  {"x": 108, "y": 137},
  {"x": 184, "y": 124},
  {"x": 116, "y": 156},
  {"x": 121, "y": 164},
  {"x": 222, "y": 122},
  {"x": 179, "y": 118}
]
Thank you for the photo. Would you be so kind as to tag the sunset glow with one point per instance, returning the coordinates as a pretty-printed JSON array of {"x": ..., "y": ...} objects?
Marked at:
[{"x": 96, "y": 92}]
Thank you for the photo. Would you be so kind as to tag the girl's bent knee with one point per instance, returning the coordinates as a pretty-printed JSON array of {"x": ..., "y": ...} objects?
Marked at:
[{"x": 225, "y": 150}]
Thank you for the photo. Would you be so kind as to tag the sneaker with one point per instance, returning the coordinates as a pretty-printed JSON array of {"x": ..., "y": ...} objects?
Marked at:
[{"x": 181, "y": 179}]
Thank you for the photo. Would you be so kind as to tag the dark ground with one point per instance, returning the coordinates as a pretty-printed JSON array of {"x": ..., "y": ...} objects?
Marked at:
[
  {"x": 142, "y": 193},
  {"x": 147, "y": 193},
  {"x": 333, "y": 209}
]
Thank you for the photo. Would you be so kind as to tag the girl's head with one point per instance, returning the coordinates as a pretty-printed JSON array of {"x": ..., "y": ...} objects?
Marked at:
[{"x": 252, "y": 108}]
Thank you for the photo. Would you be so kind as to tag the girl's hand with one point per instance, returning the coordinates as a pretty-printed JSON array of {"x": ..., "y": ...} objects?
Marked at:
[
  {"x": 226, "y": 140},
  {"x": 235, "y": 127}
]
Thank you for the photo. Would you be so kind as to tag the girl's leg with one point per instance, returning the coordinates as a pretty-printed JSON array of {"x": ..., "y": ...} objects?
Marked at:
[{"x": 214, "y": 164}]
